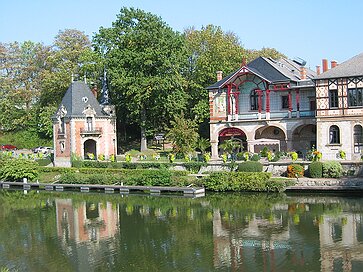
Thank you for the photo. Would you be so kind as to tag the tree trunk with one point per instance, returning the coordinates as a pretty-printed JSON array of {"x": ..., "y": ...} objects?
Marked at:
[{"x": 143, "y": 146}]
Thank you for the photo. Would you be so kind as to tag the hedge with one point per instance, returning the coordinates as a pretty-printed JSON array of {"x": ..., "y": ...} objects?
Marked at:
[
  {"x": 316, "y": 169},
  {"x": 250, "y": 166},
  {"x": 242, "y": 181},
  {"x": 332, "y": 169}
]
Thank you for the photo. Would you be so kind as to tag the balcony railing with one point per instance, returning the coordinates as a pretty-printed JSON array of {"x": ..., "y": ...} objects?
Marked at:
[
  {"x": 276, "y": 115},
  {"x": 93, "y": 131}
]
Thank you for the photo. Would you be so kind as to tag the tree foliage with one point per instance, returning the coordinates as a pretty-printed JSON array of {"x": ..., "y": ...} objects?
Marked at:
[
  {"x": 144, "y": 58},
  {"x": 183, "y": 134}
]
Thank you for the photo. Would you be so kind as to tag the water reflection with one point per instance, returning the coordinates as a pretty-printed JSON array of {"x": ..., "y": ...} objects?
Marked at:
[
  {"x": 86, "y": 230},
  {"x": 221, "y": 232}
]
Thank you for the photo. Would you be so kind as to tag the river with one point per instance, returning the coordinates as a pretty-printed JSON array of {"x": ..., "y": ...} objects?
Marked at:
[{"x": 52, "y": 231}]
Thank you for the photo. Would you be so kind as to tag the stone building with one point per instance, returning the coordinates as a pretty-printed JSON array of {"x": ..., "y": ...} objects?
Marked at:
[
  {"x": 82, "y": 126},
  {"x": 264, "y": 103},
  {"x": 339, "y": 115}
]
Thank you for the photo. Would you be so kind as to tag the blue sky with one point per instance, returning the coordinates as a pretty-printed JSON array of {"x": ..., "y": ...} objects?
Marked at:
[{"x": 309, "y": 29}]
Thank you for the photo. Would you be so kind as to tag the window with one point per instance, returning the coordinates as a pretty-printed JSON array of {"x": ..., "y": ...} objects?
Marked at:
[
  {"x": 89, "y": 124},
  {"x": 333, "y": 98},
  {"x": 355, "y": 98},
  {"x": 334, "y": 135},
  {"x": 254, "y": 100},
  {"x": 358, "y": 138},
  {"x": 62, "y": 125},
  {"x": 285, "y": 102}
]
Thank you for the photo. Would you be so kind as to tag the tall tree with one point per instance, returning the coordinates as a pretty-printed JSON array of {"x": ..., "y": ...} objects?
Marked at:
[
  {"x": 144, "y": 58},
  {"x": 71, "y": 54},
  {"x": 210, "y": 50}
]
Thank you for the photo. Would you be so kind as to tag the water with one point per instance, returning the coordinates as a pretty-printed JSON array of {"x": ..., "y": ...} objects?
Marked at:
[{"x": 220, "y": 232}]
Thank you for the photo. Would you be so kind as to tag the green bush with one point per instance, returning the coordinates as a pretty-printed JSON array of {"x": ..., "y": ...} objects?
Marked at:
[
  {"x": 250, "y": 166},
  {"x": 242, "y": 181},
  {"x": 295, "y": 170},
  {"x": 193, "y": 167},
  {"x": 150, "y": 178},
  {"x": 316, "y": 169},
  {"x": 332, "y": 169},
  {"x": 255, "y": 157},
  {"x": 264, "y": 152},
  {"x": 17, "y": 169}
]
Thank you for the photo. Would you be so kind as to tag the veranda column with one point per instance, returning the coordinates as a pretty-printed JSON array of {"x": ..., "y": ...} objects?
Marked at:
[
  {"x": 290, "y": 103},
  {"x": 297, "y": 103},
  {"x": 268, "y": 104},
  {"x": 214, "y": 148},
  {"x": 259, "y": 101}
]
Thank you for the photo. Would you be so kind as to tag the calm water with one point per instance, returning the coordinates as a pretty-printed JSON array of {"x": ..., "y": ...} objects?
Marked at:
[{"x": 220, "y": 232}]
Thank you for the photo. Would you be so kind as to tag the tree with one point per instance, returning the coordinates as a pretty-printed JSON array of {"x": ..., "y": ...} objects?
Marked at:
[
  {"x": 71, "y": 54},
  {"x": 183, "y": 134},
  {"x": 209, "y": 50},
  {"x": 144, "y": 58}
]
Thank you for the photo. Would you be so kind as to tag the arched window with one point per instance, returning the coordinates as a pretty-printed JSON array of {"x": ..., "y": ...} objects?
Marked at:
[
  {"x": 358, "y": 138},
  {"x": 334, "y": 135},
  {"x": 254, "y": 100}
]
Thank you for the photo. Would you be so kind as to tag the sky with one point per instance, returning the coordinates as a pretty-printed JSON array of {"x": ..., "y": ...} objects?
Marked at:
[{"x": 308, "y": 29}]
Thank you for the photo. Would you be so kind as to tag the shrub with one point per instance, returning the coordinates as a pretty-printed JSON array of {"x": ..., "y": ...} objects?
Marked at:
[
  {"x": 255, "y": 157},
  {"x": 316, "y": 169},
  {"x": 17, "y": 169},
  {"x": 264, "y": 152},
  {"x": 150, "y": 178},
  {"x": 250, "y": 166},
  {"x": 294, "y": 155},
  {"x": 295, "y": 170},
  {"x": 332, "y": 169},
  {"x": 193, "y": 167},
  {"x": 241, "y": 181}
]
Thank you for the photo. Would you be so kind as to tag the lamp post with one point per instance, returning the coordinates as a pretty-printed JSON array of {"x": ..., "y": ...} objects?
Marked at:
[{"x": 114, "y": 149}]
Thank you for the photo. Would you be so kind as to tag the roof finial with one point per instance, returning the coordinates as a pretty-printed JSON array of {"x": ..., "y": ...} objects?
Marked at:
[
  {"x": 85, "y": 78},
  {"x": 243, "y": 62},
  {"x": 105, "y": 99}
]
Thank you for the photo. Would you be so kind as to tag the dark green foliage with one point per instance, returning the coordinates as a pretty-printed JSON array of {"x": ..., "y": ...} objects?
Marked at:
[
  {"x": 44, "y": 162},
  {"x": 17, "y": 169},
  {"x": 316, "y": 169},
  {"x": 149, "y": 177},
  {"x": 241, "y": 181},
  {"x": 332, "y": 169},
  {"x": 255, "y": 157},
  {"x": 250, "y": 166},
  {"x": 295, "y": 170},
  {"x": 193, "y": 167}
]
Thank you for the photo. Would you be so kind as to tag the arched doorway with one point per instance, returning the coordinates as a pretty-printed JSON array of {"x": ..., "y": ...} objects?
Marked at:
[
  {"x": 273, "y": 133},
  {"x": 236, "y": 135},
  {"x": 89, "y": 146},
  {"x": 304, "y": 138}
]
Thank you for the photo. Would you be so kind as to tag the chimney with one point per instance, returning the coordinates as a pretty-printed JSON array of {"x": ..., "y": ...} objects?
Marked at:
[
  {"x": 219, "y": 75},
  {"x": 318, "y": 69},
  {"x": 302, "y": 73},
  {"x": 333, "y": 64},
  {"x": 94, "y": 91},
  {"x": 325, "y": 65}
]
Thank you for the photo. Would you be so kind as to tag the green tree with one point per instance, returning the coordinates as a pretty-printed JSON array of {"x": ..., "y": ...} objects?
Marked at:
[
  {"x": 145, "y": 58},
  {"x": 203, "y": 144},
  {"x": 183, "y": 134},
  {"x": 71, "y": 54}
]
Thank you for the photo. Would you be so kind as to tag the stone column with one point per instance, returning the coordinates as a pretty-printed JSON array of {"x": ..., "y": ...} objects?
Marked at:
[
  {"x": 290, "y": 103},
  {"x": 214, "y": 148}
]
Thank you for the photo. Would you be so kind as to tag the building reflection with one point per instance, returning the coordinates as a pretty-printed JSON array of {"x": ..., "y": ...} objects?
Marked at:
[
  {"x": 268, "y": 244},
  {"x": 86, "y": 229},
  {"x": 341, "y": 242}
]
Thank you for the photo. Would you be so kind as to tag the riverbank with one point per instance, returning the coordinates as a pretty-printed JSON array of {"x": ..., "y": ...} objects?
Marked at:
[{"x": 327, "y": 184}]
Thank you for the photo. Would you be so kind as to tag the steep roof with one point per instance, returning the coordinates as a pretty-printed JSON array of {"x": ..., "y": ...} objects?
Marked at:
[
  {"x": 274, "y": 71},
  {"x": 77, "y": 98},
  {"x": 349, "y": 68}
]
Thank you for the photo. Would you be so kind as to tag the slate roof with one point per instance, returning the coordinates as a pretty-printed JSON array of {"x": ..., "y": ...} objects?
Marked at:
[
  {"x": 349, "y": 68},
  {"x": 280, "y": 71},
  {"x": 77, "y": 98}
]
